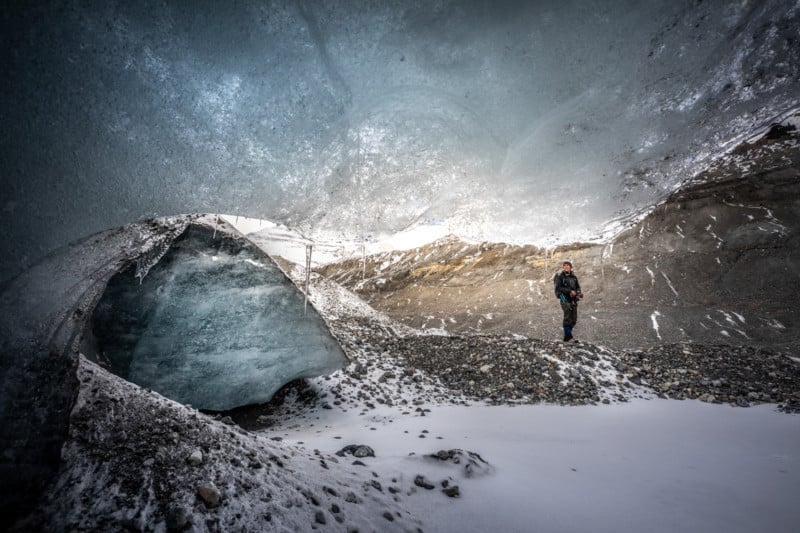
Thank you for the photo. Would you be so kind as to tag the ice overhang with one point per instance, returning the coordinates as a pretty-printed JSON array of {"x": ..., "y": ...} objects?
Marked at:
[{"x": 535, "y": 122}]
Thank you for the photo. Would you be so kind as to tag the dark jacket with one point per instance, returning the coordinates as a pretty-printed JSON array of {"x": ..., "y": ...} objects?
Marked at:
[{"x": 564, "y": 283}]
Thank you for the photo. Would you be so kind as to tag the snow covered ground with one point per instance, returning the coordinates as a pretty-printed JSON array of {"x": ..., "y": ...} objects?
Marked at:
[{"x": 654, "y": 466}]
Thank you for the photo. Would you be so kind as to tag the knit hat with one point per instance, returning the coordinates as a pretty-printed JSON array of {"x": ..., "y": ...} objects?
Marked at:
[{"x": 567, "y": 261}]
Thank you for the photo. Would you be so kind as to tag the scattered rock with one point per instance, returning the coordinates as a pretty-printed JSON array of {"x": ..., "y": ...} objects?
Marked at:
[
  {"x": 210, "y": 495},
  {"x": 791, "y": 406},
  {"x": 741, "y": 402},
  {"x": 357, "y": 450},
  {"x": 472, "y": 462},
  {"x": 195, "y": 458},
  {"x": 420, "y": 481},
  {"x": 176, "y": 518},
  {"x": 452, "y": 491},
  {"x": 504, "y": 370}
]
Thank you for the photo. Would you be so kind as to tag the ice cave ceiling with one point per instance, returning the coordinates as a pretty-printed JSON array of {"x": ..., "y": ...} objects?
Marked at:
[{"x": 527, "y": 121}]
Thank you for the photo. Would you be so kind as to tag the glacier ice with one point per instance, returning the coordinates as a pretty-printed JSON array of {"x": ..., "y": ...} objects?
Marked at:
[
  {"x": 357, "y": 118},
  {"x": 215, "y": 323}
]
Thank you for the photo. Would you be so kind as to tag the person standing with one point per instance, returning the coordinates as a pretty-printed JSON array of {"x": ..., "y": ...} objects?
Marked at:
[{"x": 568, "y": 292}]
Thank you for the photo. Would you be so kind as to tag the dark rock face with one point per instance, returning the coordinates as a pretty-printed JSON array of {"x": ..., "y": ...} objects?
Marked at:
[{"x": 716, "y": 263}]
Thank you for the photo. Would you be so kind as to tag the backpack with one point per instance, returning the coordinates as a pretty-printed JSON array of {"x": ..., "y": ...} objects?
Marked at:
[{"x": 556, "y": 280}]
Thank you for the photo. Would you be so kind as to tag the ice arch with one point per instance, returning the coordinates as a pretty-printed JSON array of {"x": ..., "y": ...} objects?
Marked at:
[{"x": 215, "y": 323}]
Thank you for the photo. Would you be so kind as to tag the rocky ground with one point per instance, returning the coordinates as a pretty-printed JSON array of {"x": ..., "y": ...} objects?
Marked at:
[
  {"x": 403, "y": 368},
  {"x": 517, "y": 370}
]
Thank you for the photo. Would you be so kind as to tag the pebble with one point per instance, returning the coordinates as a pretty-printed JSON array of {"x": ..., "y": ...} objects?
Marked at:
[
  {"x": 176, "y": 518},
  {"x": 452, "y": 491},
  {"x": 420, "y": 481},
  {"x": 357, "y": 450},
  {"x": 195, "y": 458},
  {"x": 210, "y": 495}
]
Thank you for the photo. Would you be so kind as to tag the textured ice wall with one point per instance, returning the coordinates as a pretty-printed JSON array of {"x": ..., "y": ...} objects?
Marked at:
[
  {"x": 530, "y": 121},
  {"x": 215, "y": 324}
]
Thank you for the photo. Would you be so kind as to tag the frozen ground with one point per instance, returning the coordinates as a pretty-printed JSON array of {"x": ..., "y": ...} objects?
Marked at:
[{"x": 654, "y": 465}]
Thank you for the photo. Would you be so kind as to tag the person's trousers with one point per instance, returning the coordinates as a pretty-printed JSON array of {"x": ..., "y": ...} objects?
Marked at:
[{"x": 570, "y": 314}]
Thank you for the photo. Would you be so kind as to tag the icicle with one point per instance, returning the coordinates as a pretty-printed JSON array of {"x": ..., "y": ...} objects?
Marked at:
[
  {"x": 216, "y": 221},
  {"x": 308, "y": 275}
]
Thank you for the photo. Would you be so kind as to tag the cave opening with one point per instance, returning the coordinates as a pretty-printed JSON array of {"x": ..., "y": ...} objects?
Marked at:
[{"x": 214, "y": 323}]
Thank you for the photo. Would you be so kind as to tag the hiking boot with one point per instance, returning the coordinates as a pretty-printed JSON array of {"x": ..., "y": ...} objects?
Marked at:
[{"x": 569, "y": 338}]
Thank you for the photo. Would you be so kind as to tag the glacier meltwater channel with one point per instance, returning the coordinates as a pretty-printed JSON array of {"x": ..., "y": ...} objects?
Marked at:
[{"x": 215, "y": 324}]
